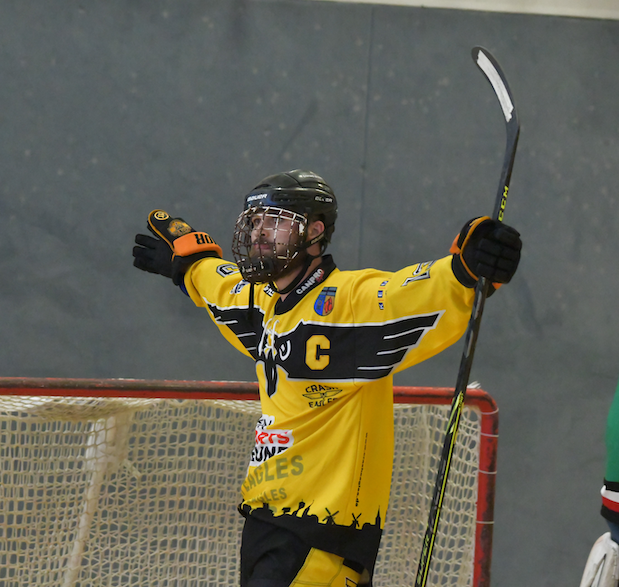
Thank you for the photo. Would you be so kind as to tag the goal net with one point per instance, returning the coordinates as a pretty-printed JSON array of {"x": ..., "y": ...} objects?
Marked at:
[{"x": 133, "y": 482}]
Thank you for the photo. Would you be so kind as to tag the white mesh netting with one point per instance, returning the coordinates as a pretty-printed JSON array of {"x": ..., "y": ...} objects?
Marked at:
[{"x": 143, "y": 492}]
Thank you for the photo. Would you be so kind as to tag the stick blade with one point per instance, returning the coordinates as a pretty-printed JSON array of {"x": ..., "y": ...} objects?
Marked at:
[{"x": 492, "y": 70}]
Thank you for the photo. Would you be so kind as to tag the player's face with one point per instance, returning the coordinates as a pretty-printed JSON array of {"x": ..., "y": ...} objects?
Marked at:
[{"x": 274, "y": 233}]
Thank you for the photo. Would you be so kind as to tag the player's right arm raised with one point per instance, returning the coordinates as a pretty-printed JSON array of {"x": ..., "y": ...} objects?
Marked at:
[{"x": 174, "y": 247}]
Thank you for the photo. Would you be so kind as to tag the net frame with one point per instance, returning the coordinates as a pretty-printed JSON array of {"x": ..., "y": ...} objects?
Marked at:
[{"x": 477, "y": 400}]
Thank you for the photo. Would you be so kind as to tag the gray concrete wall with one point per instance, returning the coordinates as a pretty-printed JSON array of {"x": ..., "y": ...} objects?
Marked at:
[{"x": 110, "y": 109}]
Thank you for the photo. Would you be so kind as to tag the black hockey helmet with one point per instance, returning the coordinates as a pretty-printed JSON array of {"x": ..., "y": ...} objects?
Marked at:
[
  {"x": 297, "y": 196},
  {"x": 299, "y": 191}
]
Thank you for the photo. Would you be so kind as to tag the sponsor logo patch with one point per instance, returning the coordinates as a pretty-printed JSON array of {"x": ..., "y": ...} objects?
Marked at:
[
  {"x": 320, "y": 395},
  {"x": 269, "y": 442},
  {"x": 382, "y": 294},
  {"x": 325, "y": 302},
  {"x": 238, "y": 288},
  {"x": 421, "y": 271},
  {"x": 178, "y": 228},
  {"x": 314, "y": 278},
  {"x": 227, "y": 269}
]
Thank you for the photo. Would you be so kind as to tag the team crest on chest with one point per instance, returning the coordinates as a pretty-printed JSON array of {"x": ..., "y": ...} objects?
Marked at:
[{"x": 325, "y": 301}]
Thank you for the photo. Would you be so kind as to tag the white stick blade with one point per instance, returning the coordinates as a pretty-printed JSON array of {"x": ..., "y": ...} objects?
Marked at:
[{"x": 484, "y": 63}]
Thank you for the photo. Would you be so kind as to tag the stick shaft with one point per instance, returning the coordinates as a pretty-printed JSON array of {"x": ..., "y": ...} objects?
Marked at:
[{"x": 491, "y": 69}]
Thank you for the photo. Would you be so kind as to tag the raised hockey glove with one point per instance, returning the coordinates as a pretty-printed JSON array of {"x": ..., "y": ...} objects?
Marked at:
[
  {"x": 174, "y": 247},
  {"x": 485, "y": 248}
]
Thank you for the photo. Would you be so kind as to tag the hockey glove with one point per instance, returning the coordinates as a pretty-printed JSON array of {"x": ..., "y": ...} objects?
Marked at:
[
  {"x": 174, "y": 247},
  {"x": 485, "y": 248}
]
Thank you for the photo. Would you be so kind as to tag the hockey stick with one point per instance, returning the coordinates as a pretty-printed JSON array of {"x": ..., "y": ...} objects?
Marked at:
[{"x": 492, "y": 70}]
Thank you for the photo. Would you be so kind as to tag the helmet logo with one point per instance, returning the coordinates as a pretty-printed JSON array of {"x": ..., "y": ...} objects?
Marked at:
[{"x": 256, "y": 197}]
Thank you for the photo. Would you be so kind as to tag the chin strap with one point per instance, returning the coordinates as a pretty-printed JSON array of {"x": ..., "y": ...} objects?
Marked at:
[
  {"x": 250, "y": 307},
  {"x": 306, "y": 264},
  {"x": 252, "y": 291},
  {"x": 298, "y": 279}
]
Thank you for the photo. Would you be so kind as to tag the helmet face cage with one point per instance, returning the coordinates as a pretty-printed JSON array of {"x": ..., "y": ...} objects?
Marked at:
[{"x": 268, "y": 242}]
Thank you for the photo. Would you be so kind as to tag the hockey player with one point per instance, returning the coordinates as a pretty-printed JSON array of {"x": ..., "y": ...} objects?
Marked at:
[
  {"x": 602, "y": 567},
  {"x": 326, "y": 344}
]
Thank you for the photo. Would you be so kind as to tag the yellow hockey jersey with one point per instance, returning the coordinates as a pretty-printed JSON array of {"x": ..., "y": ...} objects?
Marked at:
[{"x": 325, "y": 358}]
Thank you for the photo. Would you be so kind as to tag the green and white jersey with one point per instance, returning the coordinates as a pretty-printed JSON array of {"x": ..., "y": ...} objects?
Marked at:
[
  {"x": 610, "y": 489},
  {"x": 325, "y": 358}
]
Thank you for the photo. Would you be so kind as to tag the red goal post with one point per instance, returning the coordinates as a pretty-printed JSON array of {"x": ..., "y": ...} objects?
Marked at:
[{"x": 115, "y": 480}]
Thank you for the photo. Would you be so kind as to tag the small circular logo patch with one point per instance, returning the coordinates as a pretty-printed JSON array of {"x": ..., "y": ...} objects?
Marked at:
[{"x": 178, "y": 227}]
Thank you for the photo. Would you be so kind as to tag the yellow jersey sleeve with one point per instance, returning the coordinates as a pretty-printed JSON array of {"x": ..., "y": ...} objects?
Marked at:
[
  {"x": 217, "y": 286},
  {"x": 425, "y": 306}
]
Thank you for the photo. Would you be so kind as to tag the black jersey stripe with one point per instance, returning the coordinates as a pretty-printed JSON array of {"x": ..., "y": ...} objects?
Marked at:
[
  {"x": 356, "y": 351},
  {"x": 242, "y": 325}
]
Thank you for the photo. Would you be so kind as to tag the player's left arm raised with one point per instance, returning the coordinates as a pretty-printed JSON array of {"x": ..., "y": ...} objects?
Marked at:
[{"x": 445, "y": 288}]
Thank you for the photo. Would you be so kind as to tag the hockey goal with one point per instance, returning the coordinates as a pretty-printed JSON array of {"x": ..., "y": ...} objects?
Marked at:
[{"x": 134, "y": 482}]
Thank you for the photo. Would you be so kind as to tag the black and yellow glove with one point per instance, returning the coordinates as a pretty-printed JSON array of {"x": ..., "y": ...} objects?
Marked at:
[
  {"x": 174, "y": 247},
  {"x": 485, "y": 248}
]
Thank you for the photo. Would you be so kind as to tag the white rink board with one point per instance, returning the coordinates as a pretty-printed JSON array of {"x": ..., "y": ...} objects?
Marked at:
[{"x": 604, "y": 9}]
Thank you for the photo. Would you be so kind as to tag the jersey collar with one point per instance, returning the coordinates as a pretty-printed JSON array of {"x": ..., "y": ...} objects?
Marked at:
[{"x": 315, "y": 278}]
